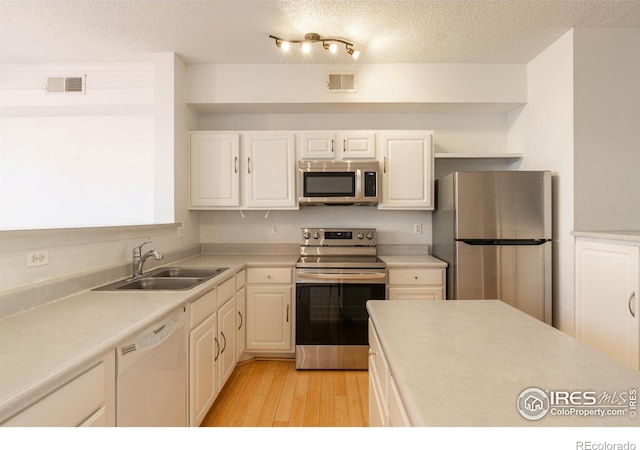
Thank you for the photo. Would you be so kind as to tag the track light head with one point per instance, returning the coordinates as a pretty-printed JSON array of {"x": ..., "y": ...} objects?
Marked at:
[{"x": 355, "y": 54}]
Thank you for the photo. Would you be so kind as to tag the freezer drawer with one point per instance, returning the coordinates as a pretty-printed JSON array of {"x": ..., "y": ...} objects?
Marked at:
[{"x": 519, "y": 275}]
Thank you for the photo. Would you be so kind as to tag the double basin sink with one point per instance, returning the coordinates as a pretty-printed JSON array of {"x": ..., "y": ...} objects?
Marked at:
[{"x": 166, "y": 279}]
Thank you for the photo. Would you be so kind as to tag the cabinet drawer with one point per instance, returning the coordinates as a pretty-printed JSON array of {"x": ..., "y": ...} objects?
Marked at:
[
  {"x": 226, "y": 290},
  {"x": 70, "y": 405},
  {"x": 241, "y": 279},
  {"x": 423, "y": 277},
  {"x": 416, "y": 293},
  {"x": 202, "y": 308},
  {"x": 270, "y": 275}
]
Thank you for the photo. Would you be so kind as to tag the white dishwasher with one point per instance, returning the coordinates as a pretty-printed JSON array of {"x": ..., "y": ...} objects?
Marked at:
[{"x": 152, "y": 376}]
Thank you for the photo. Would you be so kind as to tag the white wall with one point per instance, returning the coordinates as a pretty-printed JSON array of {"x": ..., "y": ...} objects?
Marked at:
[
  {"x": 607, "y": 129},
  {"x": 73, "y": 159},
  {"x": 73, "y": 251},
  {"x": 395, "y": 83},
  {"x": 393, "y": 227},
  {"x": 543, "y": 131}
]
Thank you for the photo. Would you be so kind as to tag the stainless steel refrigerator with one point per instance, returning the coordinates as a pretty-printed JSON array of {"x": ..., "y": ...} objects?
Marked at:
[{"x": 494, "y": 230}]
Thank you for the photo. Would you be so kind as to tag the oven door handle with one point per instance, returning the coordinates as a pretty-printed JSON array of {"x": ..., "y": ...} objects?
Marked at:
[{"x": 342, "y": 276}]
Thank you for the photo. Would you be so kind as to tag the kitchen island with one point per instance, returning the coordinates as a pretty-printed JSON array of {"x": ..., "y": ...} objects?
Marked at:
[{"x": 474, "y": 363}]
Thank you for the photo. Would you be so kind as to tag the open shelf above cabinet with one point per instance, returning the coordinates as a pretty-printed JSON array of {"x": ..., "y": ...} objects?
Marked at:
[{"x": 480, "y": 156}]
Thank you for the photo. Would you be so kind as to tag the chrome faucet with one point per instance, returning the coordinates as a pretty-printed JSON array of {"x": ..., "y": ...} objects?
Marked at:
[{"x": 139, "y": 258}]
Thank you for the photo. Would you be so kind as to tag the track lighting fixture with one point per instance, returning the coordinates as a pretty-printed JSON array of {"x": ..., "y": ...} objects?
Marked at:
[{"x": 330, "y": 44}]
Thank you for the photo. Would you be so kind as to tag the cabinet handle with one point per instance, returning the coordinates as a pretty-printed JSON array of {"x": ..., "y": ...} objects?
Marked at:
[
  {"x": 248, "y": 165},
  {"x": 287, "y": 313},
  {"x": 235, "y": 164},
  {"x": 224, "y": 347},
  {"x": 384, "y": 165},
  {"x": 633, "y": 295},
  {"x": 241, "y": 321},
  {"x": 344, "y": 145},
  {"x": 331, "y": 145},
  {"x": 217, "y": 349}
]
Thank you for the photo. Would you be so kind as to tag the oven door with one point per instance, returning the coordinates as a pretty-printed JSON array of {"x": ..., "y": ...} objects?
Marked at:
[{"x": 331, "y": 318}]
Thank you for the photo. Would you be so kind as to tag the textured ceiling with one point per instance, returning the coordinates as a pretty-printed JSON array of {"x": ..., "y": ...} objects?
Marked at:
[{"x": 214, "y": 31}]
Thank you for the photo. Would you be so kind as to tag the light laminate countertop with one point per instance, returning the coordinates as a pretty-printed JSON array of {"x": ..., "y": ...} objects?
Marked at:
[
  {"x": 423, "y": 261},
  {"x": 630, "y": 236},
  {"x": 43, "y": 347},
  {"x": 465, "y": 363}
]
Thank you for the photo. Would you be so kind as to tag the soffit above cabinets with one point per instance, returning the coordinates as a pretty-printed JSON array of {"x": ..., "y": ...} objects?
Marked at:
[{"x": 336, "y": 108}]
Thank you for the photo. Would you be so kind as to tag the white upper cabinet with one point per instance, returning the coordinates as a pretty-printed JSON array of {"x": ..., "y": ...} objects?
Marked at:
[
  {"x": 345, "y": 145},
  {"x": 242, "y": 171},
  {"x": 214, "y": 174},
  {"x": 317, "y": 145},
  {"x": 357, "y": 144},
  {"x": 270, "y": 160},
  {"x": 407, "y": 162}
]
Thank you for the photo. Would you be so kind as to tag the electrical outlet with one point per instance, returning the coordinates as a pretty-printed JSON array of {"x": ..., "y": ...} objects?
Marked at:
[
  {"x": 37, "y": 258},
  {"x": 275, "y": 228},
  {"x": 180, "y": 232},
  {"x": 417, "y": 228}
]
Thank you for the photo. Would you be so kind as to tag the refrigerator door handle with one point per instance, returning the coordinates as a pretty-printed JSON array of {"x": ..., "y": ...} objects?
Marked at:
[{"x": 503, "y": 241}]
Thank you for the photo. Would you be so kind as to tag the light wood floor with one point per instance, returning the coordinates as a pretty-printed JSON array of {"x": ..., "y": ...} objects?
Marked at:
[{"x": 275, "y": 394}]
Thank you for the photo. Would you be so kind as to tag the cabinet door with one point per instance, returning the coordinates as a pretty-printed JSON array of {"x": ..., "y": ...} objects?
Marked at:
[
  {"x": 317, "y": 145},
  {"x": 227, "y": 339},
  {"x": 203, "y": 352},
  {"x": 397, "y": 414},
  {"x": 269, "y": 318},
  {"x": 241, "y": 318},
  {"x": 607, "y": 289},
  {"x": 270, "y": 171},
  {"x": 214, "y": 170},
  {"x": 357, "y": 145},
  {"x": 377, "y": 404},
  {"x": 407, "y": 178}
]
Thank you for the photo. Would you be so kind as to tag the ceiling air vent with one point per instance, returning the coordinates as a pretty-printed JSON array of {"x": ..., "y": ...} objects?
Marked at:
[
  {"x": 342, "y": 82},
  {"x": 66, "y": 85}
]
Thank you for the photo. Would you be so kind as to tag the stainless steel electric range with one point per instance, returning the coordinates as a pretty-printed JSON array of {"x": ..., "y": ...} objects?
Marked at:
[{"x": 337, "y": 272}]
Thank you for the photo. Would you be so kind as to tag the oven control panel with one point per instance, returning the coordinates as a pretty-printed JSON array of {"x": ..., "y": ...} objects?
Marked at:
[{"x": 338, "y": 237}]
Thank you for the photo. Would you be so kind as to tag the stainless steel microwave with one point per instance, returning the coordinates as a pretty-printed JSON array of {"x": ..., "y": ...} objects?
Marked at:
[{"x": 338, "y": 182}]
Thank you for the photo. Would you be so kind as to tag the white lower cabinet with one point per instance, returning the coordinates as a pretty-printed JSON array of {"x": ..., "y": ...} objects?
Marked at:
[
  {"x": 241, "y": 314},
  {"x": 203, "y": 379},
  {"x": 385, "y": 404},
  {"x": 204, "y": 350},
  {"x": 416, "y": 284},
  {"x": 216, "y": 342},
  {"x": 88, "y": 399},
  {"x": 607, "y": 298},
  {"x": 270, "y": 309}
]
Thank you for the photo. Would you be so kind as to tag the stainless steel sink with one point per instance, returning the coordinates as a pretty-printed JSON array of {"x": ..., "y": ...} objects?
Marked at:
[
  {"x": 172, "y": 272},
  {"x": 171, "y": 284},
  {"x": 165, "y": 279}
]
